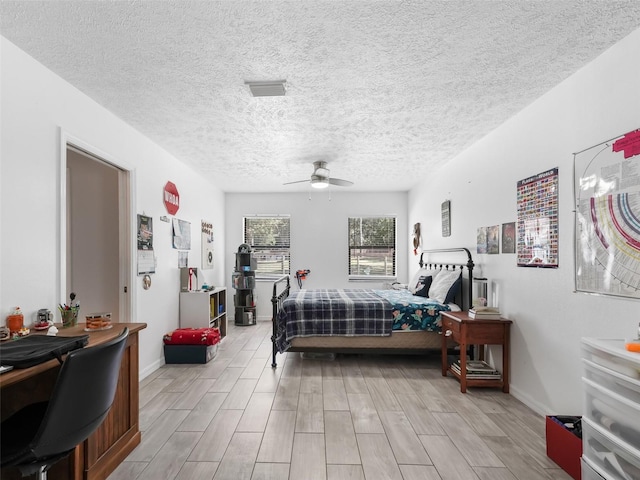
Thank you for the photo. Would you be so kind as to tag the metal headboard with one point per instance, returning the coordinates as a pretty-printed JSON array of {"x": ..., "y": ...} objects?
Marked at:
[
  {"x": 446, "y": 266},
  {"x": 277, "y": 299}
]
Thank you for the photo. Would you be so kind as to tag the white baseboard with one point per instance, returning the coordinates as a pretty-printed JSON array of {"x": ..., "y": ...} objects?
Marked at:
[
  {"x": 540, "y": 409},
  {"x": 144, "y": 373}
]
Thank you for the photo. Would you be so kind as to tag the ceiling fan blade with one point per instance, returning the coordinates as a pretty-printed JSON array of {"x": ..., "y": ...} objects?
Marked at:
[
  {"x": 339, "y": 182},
  {"x": 297, "y": 181}
]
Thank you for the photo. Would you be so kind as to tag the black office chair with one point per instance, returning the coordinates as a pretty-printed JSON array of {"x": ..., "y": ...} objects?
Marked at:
[{"x": 40, "y": 434}]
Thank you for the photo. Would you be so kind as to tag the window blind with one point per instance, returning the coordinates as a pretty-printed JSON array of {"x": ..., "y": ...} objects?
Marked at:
[
  {"x": 269, "y": 238},
  {"x": 372, "y": 246}
]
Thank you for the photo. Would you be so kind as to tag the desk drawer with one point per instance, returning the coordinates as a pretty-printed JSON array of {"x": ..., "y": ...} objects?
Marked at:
[
  {"x": 471, "y": 333},
  {"x": 486, "y": 334},
  {"x": 452, "y": 325},
  {"x": 612, "y": 412},
  {"x": 590, "y": 471},
  {"x": 616, "y": 382},
  {"x": 618, "y": 459},
  {"x": 612, "y": 355}
]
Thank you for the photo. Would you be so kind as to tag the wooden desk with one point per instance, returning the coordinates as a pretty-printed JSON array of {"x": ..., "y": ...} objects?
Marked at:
[
  {"x": 118, "y": 435},
  {"x": 470, "y": 331}
]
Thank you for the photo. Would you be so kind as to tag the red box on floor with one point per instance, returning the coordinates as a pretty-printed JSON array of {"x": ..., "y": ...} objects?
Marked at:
[{"x": 563, "y": 446}]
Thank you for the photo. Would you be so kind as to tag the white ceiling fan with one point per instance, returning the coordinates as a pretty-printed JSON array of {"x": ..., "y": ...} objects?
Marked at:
[{"x": 320, "y": 177}]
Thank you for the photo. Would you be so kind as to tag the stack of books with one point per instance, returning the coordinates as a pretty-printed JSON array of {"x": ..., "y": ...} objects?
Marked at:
[
  {"x": 477, "y": 370},
  {"x": 485, "y": 313}
]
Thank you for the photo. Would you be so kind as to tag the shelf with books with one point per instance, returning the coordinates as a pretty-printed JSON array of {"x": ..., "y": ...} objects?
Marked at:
[{"x": 477, "y": 369}]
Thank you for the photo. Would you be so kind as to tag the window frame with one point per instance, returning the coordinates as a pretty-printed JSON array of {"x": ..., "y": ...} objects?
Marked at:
[
  {"x": 273, "y": 274},
  {"x": 394, "y": 261}
]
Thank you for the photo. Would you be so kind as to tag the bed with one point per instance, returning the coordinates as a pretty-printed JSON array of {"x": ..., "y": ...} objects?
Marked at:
[{"x": 398, "y": 319}]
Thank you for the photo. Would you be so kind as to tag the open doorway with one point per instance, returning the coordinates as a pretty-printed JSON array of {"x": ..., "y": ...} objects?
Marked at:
[{"x": 97, "y": 231}]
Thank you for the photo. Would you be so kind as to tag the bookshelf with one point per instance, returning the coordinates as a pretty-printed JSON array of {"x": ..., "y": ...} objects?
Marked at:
[
  {"x": 204, "y": 309},
  {"x": 466, "y": 331}
]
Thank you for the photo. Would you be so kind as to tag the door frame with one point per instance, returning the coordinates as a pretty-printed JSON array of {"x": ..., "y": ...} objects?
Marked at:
[{"x": 127, "y": 222}]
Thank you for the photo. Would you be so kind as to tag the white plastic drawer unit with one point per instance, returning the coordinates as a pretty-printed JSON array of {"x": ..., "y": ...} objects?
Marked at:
[
  {"x": 617, "y": 459},
  {"x": 619, "y": 383},
  {"x": 614, "y": 413},
  {"x": 612, "y": 355},
  {"x": 590, "y": 471}
]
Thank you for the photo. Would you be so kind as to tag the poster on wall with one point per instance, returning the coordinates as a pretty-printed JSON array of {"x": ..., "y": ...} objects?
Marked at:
[
  {"x": 493, "y": 239},
  {"x": 537, "y": 234},
  {"x": 146, "y": 259},
  {"x": 181, "y": 234},
  {"x": 445, "y": 209},
  {"x": 607, "y": 220},
  {"x": 207, "y": 244},
  {"x": 509, "y": 237},
  {"x": 481, "y": 240}
]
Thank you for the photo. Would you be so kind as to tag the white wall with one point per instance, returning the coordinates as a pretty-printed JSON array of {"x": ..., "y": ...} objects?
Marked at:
[
  {"x": 597, "y": 103},
  {"x": 36, "y": 104},
  {"x": 319, "y": 235}
]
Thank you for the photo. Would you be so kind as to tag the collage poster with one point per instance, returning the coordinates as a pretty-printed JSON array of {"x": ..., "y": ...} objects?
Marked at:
[
  {"x": 537, "y": 230},
  {"x": 146, "y": 258},
  {"x": 607, "y": 191},
  {"x": 181, "y": 234}
]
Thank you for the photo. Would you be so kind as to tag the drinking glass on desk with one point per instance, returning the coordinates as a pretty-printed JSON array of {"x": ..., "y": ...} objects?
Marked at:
[{"x": 69, "y": 316}]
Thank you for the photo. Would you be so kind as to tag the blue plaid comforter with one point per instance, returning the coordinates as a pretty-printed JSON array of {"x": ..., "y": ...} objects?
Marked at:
[
  {"x": 328, "y": 312},
  {"x": 352, "y": 312}
]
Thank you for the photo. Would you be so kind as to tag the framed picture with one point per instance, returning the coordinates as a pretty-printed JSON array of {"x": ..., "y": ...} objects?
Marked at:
[{"x": 446, "y": 218}]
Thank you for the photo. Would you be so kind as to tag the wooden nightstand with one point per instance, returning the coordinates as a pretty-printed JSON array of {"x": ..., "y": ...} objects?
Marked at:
[{"x": 470, "y": 331}]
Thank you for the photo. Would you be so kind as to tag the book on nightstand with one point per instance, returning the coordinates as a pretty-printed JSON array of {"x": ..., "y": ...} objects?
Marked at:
[
  {"x": 486, "y": 313},
  {"x": 477, "y": 369}
]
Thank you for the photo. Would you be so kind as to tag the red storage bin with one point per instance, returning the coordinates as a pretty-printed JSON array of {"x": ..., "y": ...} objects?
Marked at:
[
  {"x": 192, "y": 336},
  {"x": 189, "y": 353},
  {"x": 564, "y": 446}
]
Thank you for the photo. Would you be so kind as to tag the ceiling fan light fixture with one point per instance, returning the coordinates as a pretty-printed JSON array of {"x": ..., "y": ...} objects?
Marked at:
[
  {"x": 319, "y": 182},
  {"x": 269, "y": 88},
  {"x": 320, "y": 177}
]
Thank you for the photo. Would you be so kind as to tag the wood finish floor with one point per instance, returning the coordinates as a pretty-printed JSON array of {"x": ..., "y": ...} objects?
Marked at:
[{"x": 356, "y": 417}]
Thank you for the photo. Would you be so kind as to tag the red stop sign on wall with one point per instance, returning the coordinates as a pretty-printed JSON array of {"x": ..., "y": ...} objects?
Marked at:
[{"x": 171, "y": 198}]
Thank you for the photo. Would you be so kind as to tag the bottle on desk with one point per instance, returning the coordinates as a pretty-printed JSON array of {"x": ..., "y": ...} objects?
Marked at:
[{"x": 15, "y": 320}]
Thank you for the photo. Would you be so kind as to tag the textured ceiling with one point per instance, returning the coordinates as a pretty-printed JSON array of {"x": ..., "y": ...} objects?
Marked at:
[{"x": 378, "y": 89}]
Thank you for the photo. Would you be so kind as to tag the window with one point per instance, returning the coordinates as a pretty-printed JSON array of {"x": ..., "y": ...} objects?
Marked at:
[
  {"x": 372, "y": 246},
  {"x": 268, "y": 237}
]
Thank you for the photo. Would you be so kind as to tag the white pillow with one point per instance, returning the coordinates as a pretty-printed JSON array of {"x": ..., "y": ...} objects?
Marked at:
[
  {"x": 442, "y": 283},
  {"x": 423, "y": 272}
]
